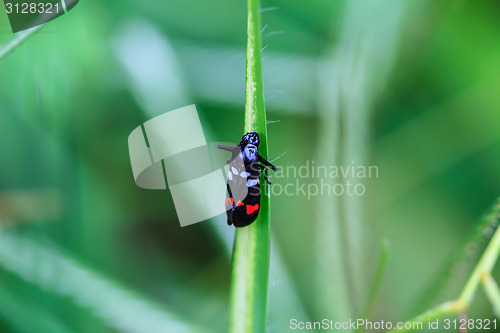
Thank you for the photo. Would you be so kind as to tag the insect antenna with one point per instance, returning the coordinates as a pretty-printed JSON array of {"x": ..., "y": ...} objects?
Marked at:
[{"x": 225, "y": 148}]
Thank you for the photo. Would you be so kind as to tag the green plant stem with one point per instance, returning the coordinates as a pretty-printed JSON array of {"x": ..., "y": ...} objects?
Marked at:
[
  {"x": 492, "y": 292},
  {"x": 484, "y": 266},
  {"x": 250, "y": 269},
  {"x": 20, "y": 37},
  {"x": 377, "y": 281},
  {"x": 445, "y": 279},
  {"x": 442, "y": 310}
]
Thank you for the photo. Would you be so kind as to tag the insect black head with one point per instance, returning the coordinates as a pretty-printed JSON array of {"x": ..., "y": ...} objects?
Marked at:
[
  {"x": 249, "y": 146},
  {"x": 250, "y": 138}
]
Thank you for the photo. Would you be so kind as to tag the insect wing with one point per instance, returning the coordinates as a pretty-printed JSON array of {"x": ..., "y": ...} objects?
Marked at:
[
  {"x": 237, "y": 180},
  {"x": 246, "y": 211}
]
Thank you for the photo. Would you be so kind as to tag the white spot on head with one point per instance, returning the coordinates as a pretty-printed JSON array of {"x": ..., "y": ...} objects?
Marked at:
[
  {"x": 233, "y": 169},
  {"x": 245, "y": 174},
  {"x": 230, "y": 175}
]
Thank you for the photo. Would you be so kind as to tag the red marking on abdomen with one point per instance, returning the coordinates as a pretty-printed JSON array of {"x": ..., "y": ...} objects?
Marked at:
[{"x": 251, "y": 209}]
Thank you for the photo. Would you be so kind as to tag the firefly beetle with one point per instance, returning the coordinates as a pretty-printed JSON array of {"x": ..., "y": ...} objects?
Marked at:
[{"x": 243, "y": 181}]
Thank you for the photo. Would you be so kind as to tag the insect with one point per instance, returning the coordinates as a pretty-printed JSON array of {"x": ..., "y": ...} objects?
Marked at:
[{"x": 243, "y": 183}]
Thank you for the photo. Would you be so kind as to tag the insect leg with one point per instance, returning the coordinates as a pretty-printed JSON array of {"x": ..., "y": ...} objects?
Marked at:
[
  {"x": 263, "y": 168},
  {"x": 267, "y": 163},
  {"x": 226, "y": 148},
  {"x": 229, "y": 212},
  {"x": 265, "y": 176},
  {"x": 230, "y": 195}
]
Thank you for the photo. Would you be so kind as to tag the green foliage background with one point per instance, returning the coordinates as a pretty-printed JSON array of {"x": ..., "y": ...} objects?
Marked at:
[{"x": 408, "y": 86}]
